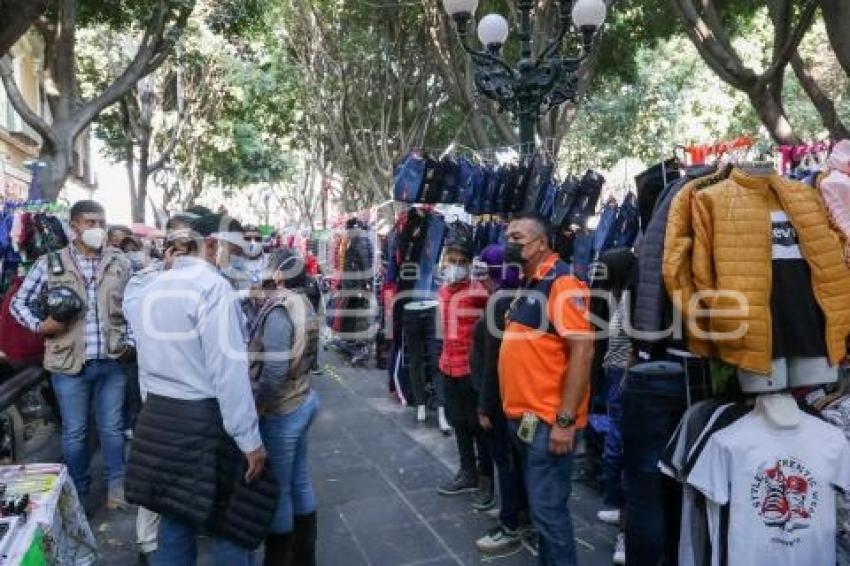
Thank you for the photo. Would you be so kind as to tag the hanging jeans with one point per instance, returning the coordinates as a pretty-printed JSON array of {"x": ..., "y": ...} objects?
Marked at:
[
  {"x": 653, "y": 403},
  {"x": 604, "y": 235},
  {"x": 431, "y": 250},
  {"x": 548, "y": 479},
  {"x": 514, "y": 499},
  {"x": 582, "y": 254},
  {"x": 420, "y": 327},
  {"x": 612, "y": 455}
]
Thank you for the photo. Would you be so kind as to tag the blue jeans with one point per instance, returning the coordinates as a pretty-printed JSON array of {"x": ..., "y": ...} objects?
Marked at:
[
  {"x": 177, "y": 545},
  {"x": 653, "y": 402},
  {"x": 101, "y": 382},
  {"x": 612, "y": 454},
  {"x": 285, "y": 438},
  {"x": 548, "y": 480}
]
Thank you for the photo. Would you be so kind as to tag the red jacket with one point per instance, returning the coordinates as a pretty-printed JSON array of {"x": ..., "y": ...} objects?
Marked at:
[{"x": 461, "y": 305}]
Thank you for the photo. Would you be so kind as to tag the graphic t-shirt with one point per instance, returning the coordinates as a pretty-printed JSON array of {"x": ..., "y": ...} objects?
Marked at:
[
  {"x": 780, "y": 486},
  {"x": 798, "y": 320}
]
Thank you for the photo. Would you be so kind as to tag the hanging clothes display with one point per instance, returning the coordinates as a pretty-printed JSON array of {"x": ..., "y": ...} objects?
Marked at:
[
  {"x": 414, "y": 248},
  {"x": 754, "y": 264}
]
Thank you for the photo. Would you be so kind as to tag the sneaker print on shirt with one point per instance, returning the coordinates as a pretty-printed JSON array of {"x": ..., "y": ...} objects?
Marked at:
[{"x": 785, "y": 496}]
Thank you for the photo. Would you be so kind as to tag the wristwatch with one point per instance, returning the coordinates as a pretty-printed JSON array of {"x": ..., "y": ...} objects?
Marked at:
[{"x": 565, "y": 420}]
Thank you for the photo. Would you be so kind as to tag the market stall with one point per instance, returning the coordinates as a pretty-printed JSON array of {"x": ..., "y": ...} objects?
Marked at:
[{"x": 51, "y": 528}]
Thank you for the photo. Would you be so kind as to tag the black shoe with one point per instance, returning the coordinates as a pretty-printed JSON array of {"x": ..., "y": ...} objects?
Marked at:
[
  {"x": 278, "y": 550},
  {"x": 144, "y": 559},
  {"x": 463, "y": 482},
  {"x": 486, "y": 497},
  {"x": 304, "y": 540}
]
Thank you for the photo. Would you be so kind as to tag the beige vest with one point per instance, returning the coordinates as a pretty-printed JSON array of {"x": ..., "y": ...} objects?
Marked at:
[
  {"x": 305, "y": 333},
  {"x": 67, "y": 353}
]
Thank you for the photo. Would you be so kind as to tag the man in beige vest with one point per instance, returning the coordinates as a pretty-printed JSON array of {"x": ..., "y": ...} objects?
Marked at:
[{"x": 82, "y": 355}]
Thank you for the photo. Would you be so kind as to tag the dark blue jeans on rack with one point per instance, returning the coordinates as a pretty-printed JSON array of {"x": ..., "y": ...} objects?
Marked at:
[
  {"x": 436, "y": 231},
  {"x": 653, "y": 403}
]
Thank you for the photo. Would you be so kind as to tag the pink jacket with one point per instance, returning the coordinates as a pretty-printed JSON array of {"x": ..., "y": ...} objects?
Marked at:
[{"x": 835, "y": 189}]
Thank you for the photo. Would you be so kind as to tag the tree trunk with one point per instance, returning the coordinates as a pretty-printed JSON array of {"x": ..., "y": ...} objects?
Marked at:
[
  {"x": 17, "y": 16},
  {"x": 821, "y": 101},
  {"x": 141, "y": 198},
  {"x": 772, "y": 115},
  {"x": 836, "y": 15},
  {"x": 53, "y": 177}
]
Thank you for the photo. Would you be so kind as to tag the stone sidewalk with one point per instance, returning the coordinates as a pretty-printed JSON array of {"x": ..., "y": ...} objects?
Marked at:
[{"x": 375, "y": 471}]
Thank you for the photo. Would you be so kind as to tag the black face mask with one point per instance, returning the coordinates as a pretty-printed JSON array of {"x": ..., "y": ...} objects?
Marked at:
[{"x": 513, "y": 253}]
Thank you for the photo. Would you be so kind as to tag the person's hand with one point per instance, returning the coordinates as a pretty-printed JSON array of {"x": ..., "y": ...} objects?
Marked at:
[
  {"x": 50, "y": 327},
  {"x": 171, "y": 254},
  {"x": 128, "y": 355},
  {"x": 485, "y": 421},
  {"x": 562, "y": 440},
  {"x": 256, "y": 462}
]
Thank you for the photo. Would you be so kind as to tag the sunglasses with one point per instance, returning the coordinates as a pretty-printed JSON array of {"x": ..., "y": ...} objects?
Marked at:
[{"x": 254, "y": 239}]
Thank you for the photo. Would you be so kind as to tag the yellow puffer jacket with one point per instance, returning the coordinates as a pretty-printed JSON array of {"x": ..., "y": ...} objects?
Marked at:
[{"x": 732, "y": 254}]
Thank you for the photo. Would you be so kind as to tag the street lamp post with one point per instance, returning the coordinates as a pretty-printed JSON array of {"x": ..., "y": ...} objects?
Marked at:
[{"x": 537, "y": 84}]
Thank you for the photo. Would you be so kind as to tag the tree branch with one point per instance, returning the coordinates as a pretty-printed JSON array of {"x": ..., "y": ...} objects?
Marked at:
[
  {"x": 20, "y": 105},
  {"x": 152, "y": 50},
  {"x": 17, "y": 17}
]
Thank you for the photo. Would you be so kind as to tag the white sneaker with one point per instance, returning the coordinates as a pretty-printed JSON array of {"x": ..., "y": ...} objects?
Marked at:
[
  {"x": 421, "y": 414},
  {"x": 620, "y": 549},
  {"x": 609, "y": 516},
  {"x": 498, "y": 541}
]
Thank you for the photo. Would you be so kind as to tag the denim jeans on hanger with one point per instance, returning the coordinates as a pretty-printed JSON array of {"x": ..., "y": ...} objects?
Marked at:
[
  {"x": 589, "y": 189},
  {"x": 582, "y": 254},
  {"x": 628, "y": 223},
  {"x": 436, "y": 231},
  {"x": 449, "y": 177},
  {"x": 410, "y": 177},
  {"x": 604, "y": 235},
  {"x": 653, "y": 401},
  {"x": 564, "y": 199},
  {"x": 547, "y": 204},
  {"x": 420, "y": 327}
]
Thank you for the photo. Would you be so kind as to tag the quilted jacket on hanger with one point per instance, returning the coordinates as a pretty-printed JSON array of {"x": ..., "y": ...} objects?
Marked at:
[{"x": 731, "y": 251}]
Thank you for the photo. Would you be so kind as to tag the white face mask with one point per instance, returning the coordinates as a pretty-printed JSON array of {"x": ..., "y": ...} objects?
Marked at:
[
  {"x": 93, "y": 238},
  {"x": 455, "y": 273},
  {"x": 254, "y": 249}
]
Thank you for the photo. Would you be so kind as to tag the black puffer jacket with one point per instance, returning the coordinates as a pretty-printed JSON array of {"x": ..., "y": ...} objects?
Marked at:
[
  {"x": 183, "y": 464},
  {"x": 653, "y": 310}
]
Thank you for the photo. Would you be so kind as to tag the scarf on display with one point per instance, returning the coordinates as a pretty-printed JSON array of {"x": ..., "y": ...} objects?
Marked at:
[{"x": 835, "y": 189}]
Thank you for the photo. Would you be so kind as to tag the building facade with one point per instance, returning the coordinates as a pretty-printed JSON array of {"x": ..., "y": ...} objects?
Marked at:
[{"x": 20, "y": 144}]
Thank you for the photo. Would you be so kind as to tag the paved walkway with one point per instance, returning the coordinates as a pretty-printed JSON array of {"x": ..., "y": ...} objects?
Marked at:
[{"x": 375, "y": 471}]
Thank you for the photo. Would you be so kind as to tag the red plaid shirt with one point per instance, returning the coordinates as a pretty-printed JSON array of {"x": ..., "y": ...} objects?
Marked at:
[{"x": 461, "y": 306}]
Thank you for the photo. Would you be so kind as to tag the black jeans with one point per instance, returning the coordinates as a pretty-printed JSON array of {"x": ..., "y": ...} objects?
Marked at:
[
  {"x": 419, "y": 338},
  {"x": 462, "y": 414},
  {"x": 508, "y": 462},
  {"x": 653, "y": 403}
]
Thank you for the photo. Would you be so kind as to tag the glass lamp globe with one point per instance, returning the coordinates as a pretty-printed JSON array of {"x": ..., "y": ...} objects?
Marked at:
[
  {"x": 493, "y": 30},
  {"x": 589, "y": 13},
  {"x": 456, "y": 7}
]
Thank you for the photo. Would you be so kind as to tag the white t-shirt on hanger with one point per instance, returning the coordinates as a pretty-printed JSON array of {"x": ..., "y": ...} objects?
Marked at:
[{"x": 780, "y": 485}]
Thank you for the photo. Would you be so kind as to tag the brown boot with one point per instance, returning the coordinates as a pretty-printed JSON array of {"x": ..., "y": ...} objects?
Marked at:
[
  {"x": 279, "y": 548},
  {"x": 304, "y": 543}
]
